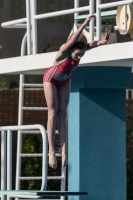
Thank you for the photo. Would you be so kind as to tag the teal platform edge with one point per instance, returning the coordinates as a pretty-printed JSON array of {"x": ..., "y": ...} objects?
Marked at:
[{"x": 97, "y": 132}]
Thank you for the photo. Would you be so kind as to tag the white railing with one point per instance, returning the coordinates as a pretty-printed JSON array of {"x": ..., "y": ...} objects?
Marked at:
[
  {"x": 6, "y": 155},
  {"x": 32, "y": 17},
  {"x": 32, "y": 20}
]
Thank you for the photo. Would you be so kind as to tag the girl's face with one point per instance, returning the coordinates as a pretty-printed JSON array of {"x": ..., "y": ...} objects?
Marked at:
[{"x": 76, "y": 54}]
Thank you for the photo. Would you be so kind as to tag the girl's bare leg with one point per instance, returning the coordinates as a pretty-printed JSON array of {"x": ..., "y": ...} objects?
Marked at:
[
  {"x": 63, "y": 97},
  {"x": 50, "y": 92}
]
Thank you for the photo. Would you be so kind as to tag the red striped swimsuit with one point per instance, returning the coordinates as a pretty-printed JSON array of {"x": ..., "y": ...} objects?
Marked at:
[{"x": 59, "y": 74}]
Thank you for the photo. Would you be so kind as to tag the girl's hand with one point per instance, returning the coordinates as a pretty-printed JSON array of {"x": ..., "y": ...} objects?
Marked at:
[
  {"x": 106, "y": 37},
  {"x": 94, "y": 44},
  {"x": 88, "y": 19}
]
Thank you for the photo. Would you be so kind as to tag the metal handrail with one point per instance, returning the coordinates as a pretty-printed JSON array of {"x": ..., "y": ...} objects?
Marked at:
[
  {"x": 8, "y": 154},
  {"x": 13, "y": 22},
  {"x": 62, "y": 12},
  {"x": 46, "y": 15},
  {"x": 32, "y": 18}
]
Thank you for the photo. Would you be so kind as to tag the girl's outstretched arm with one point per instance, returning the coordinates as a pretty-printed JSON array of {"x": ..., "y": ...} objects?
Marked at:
[
  {"x": 65, "y": 47},
  {"x": 94, "y": 44}
]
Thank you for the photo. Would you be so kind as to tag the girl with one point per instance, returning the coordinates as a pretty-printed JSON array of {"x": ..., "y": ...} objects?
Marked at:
[{"x": 57, "y": 86}]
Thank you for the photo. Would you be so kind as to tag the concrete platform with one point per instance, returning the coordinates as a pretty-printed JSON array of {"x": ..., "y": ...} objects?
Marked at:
[{"x": 120, "y": 54}]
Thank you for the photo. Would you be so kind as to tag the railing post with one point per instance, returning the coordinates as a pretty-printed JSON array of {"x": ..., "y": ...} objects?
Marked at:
[
  {"x": 92, "y": 21},
  {"x": 76, "y": 5},
  {"x": 34, "y": 26},
  {"x": 98, "y": 20},
  {"x": 19, "y": 139},
  {"x": 9, "y": 160},
  {"x": 21, "y": 99},
  {"x": 3, "y": 163},
  {"x": 28, "y": 14},
  {"x": 63, "y": 181},
  {"x": 23, "y": 45}
]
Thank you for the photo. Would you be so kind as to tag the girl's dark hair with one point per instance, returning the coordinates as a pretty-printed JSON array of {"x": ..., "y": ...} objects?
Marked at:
[{"x": 81, "y": 43}]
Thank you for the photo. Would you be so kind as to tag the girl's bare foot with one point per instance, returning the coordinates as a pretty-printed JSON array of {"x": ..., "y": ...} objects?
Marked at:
[
  {"x": 64, "y": 157},
  {"x": 52, "y": 159}
]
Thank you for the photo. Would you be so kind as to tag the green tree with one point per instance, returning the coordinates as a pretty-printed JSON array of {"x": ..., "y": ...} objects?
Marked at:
[
  {"x": 31, "y": 166},
  {"x": 3, "y": 84}
]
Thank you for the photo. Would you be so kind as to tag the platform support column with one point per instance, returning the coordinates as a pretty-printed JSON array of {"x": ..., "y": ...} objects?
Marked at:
[{"x": 97, "y": 132}]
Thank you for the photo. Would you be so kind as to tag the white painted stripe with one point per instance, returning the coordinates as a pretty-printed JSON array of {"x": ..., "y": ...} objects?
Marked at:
[
  {"x": 53, "y": 72},
  {"x": 48, "y": 74},
  {"x": 56, "y": 65}
]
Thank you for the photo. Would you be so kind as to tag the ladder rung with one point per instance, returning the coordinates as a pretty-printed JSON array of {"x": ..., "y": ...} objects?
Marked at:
[
  {"x": 31, "y": 132},
  {"x": 55, "y": 177},
  {"x": 31, "y": 155},
  {"x": 35, "y": 155},
  {"x": 34, "y": 108},
  {"x": 30, "y": 178},
  {"x": 56, "y": 132},
  {"x": 35, "y": 132},
  {"x": 42, "y": 199},
  {"x": 39, "y": 178},
  {"x": 57, "y": 154},
  {"x": 32, "y": 85}
]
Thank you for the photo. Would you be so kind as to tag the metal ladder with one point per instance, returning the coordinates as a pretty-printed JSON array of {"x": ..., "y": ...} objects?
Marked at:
[{"x": 62, "y": 177}]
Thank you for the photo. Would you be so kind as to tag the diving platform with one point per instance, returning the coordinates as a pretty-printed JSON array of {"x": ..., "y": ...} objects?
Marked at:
[{"x": 119, "y": 54}]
